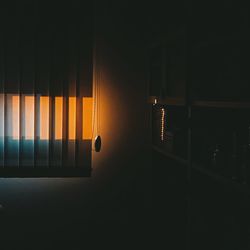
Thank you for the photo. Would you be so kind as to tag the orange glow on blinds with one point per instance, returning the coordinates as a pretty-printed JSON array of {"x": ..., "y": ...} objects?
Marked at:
[
  {"x": 72, "y": 118},
  {"x": 44, "y": 111},
  {"x": 15, "y": 117},
  {"x": 87, "y": 104},
  {"x": 58, "y": 117},
  {"x": 29, "y": 117},
  {"x": 44, "y": 117}
]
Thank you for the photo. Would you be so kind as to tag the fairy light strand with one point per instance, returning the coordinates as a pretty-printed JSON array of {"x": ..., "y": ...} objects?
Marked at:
[{"x": 162, "y": 123}]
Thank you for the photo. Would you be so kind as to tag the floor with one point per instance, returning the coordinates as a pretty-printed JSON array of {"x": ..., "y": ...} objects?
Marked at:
[
  {"x": 205, "y": 215},
  {"x": 72, "y": 213}
]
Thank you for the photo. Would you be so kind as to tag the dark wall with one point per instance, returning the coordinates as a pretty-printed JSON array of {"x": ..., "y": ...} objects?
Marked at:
[
  {"x": 117, "y": 198},
  {"x": 207, "y": 213}
]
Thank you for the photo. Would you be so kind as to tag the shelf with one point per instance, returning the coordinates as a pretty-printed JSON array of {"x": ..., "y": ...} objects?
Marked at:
[
  {"x": 177, "y": 101},
  {"x": 221, "y": 104},
  {"x": 172, "y": 101},
  {"x": 170, "y": 155},
  {"x": 217, "y": 177}
]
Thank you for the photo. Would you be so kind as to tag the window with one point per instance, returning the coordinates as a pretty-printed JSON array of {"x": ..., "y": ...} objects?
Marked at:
[
  {"x": 46, "y": 89},
  {"x": 31, "y": 140}
]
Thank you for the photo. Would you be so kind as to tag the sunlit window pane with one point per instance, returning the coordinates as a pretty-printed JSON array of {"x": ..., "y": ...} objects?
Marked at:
[
  {"x": 44, "y": 118},
  {"x": 29, "y": 117},
  {"x": 15, "y": 117},
  {"x": 58, "y": 117},
  {"x": 87, "y": 104},
  {"x": 72, "y": 118}
]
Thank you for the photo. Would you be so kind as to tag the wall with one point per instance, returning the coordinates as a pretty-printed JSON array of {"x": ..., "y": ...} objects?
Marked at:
[{"x": 117, "y": 198}]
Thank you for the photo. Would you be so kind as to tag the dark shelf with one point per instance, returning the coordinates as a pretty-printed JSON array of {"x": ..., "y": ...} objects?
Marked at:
[
  {"x": 217, "y": 177},
  {"x": 178, "y": 101},
  {"x": 221, "y": 104},
  {"x": 172, "y": 101},
  {"x": 200, "y": 104},
  {"x": 171, "y": 156}
]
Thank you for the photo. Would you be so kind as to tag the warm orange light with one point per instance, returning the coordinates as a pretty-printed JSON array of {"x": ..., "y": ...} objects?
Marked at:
[
  {"x": 44, "y": 117},
  {"x": 72, "y": 118},
  {"x": 29, "y": 117},
  {"x": 58, "y": 117},
  {"x": 15, "y": 117},
  {"x": 87, "y": 104},
  {"x": 44, "y": 113}
]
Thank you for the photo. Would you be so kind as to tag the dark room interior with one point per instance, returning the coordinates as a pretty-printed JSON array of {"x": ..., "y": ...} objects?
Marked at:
[{"x": 102, "y": 102}]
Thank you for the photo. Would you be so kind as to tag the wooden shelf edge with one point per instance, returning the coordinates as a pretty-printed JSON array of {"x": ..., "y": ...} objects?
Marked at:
[
  {"x": 172, "y": 101},
  {"x": 171, "y": 156},
  {"x": 221, "y": 104},
  {"x": 217, "y": 177}
]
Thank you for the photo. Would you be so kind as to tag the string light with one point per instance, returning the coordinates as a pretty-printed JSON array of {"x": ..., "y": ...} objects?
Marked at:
[
  {"x": 162, "y": 123},
  {"x": 155, "y": 101}
]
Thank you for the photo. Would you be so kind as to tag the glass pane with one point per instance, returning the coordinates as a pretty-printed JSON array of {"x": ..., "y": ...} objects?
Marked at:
[
  {"x": 14, "y": 122},
  {"x": 58, "y": 132},
  {"x": 87, "y": 118},
  {"x": 27, "y": 119},
  {"x": 12, "y": 131},
  {"x": 1, "y": 129},
  {"x": 72, "y": 118},
  {"x": 71, "y": 130},
  {"x": 44, "y": 118},
  {"x": 58, "y": 117},
  {"x": 43, "y": 130}
]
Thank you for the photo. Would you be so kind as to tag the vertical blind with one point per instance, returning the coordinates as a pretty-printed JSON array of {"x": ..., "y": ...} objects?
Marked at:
[{"x": 45, "y": 88}]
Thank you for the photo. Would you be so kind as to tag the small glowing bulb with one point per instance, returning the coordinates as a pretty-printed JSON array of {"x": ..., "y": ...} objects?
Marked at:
[
  {"x": 162, "y": 123},
  {"x": 155, "y": 101}
]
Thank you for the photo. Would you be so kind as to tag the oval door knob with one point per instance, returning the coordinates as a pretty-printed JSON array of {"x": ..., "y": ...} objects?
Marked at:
[{"x": 98, "y": 143}]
